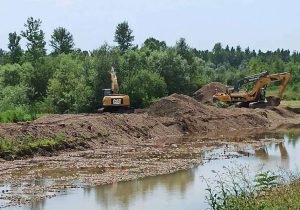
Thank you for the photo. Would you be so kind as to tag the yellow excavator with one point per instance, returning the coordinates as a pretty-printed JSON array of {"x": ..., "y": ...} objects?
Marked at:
[
  {"x": 255, "y": 98},
  {"x": 112, "y": 100}
]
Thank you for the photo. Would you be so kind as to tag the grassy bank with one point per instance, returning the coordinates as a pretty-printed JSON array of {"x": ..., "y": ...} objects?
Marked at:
[
  {"x": 282, "y": 197},
  {"x": 235, "y": 190},
  {"x": 18, "y": 114},
  {"x": 292, "y": 104},
  {"x": 12, "y": 149}
]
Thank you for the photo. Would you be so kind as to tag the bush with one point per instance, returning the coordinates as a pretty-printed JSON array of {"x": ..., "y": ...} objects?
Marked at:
[
  {"x": 236, "y": 188},
  {"x": 19, "y": 114},
  {"x": 144, "y": 87},
  {"x": 68, "y": 90},
  {"x": 9, "y": 148}
]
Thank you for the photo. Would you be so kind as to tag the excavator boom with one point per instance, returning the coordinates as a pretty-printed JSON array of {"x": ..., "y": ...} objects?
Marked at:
[{"x": 114, "y": 81}]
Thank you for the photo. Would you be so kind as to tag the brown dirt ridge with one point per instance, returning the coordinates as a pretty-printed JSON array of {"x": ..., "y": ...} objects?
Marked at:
[{"x": 205, "y": 94}]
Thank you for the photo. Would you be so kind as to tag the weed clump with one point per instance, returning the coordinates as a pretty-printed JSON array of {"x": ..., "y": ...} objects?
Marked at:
[
  {"x": 234, "y": 190},
  {"x": 9, "y": 149}
]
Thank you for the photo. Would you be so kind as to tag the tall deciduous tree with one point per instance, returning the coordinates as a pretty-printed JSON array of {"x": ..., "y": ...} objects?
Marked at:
[
  {"x": 218, "y": 54},
  {"x": 35, "y": 36},
  {"x": 154, "y": 44},
  {"x": 183, "y": 49},
  {"x": 3, "y": 57},
  {"x": 123, "y": 36},
  {"x": 144, "y": 87},
  {"x": 15, "y": 53},
  {"x": 62, "y": 41}
]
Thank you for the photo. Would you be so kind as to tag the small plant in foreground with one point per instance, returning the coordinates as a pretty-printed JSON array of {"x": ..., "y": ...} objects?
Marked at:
[
  {"x": 266, "y": 180},
  {"x": 234, "y": 189}
]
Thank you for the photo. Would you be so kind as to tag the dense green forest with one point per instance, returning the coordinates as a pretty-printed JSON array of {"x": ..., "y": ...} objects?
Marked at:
[{"x": 69, "y": 80}]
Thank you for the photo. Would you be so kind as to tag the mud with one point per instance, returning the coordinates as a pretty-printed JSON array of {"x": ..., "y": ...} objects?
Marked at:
[
  {"x": 171, "y": 135},
  {"x": 205, "y": 94}
]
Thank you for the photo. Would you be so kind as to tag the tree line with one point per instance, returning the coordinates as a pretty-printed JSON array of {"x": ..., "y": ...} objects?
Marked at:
[{"x": 70, "y": 80}]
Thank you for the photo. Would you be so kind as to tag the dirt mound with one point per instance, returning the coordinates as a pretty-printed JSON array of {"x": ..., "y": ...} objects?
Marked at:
[
  {"x": 177, "y": 105},
  {"x": 205, "y": 94},
  {"x": 195, "y": 117}
]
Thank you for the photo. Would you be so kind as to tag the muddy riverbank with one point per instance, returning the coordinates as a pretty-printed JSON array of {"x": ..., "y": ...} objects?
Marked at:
[{"x": 171, "y": 135}]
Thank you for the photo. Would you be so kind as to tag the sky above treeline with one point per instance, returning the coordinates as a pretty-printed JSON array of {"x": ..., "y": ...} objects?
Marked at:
[{"x": 259, "y": 24}]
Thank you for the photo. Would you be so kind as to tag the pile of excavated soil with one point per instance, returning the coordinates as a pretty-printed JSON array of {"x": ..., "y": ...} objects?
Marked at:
[
  {"x": 205, "y": 94},
  {"x": 109, "y": 129},
  {"x": 195, "y": 117},
  {"x": 177, "y": 105}
]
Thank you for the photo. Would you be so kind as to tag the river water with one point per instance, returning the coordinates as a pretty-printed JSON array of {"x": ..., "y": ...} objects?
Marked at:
[{"x": 181, "y": 190}]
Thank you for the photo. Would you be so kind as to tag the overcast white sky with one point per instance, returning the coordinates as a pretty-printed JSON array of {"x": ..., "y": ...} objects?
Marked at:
[{"x": 259, "y": 24}]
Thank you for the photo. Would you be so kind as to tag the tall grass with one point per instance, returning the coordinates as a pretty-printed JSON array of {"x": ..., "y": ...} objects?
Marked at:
[
  {"x": 238, "y": 189},
  {"x": 9, "y": 149},
  {"x": 18, "y": 114},
  {"x": 291, "y": 104}
]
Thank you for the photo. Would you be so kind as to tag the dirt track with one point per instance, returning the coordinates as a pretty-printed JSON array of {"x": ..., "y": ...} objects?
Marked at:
[{"x": 170, "y": 136}]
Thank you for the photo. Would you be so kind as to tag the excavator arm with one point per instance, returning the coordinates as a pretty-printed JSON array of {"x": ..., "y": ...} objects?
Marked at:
[
  {"x": 248, "y": 79},
  {"x": 114, "y": 81},
  {"x": 284, "y": 77}
]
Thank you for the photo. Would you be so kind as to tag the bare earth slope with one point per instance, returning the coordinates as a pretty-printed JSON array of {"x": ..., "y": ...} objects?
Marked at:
[
  {"x": 205, "y": 94},
  {"x": 174, "y": 115}
]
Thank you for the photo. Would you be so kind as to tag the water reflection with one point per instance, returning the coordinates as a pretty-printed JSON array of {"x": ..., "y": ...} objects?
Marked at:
[
  {"x": 37, "y": 205},
  {"x": 274, "y": 153},
  {"x": 263, "y": 153},
  {"x": 283, "y": 151},
  {"x": 120, "y": 194},
  {"x": 292, "y": 137}
]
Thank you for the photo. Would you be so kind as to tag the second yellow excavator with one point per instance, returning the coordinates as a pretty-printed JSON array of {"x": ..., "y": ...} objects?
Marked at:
[{"x": 255, "y": 98}]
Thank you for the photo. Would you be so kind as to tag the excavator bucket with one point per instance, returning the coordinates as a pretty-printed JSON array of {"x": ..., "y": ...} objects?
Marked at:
[{"x": 273, "y": 100}]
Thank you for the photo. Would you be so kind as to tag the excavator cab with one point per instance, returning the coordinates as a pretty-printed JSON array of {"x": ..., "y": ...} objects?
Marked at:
[{"x": 107, "y": 92}]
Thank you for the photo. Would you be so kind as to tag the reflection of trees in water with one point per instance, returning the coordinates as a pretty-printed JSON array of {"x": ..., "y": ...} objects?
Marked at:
[
  {"x": 293, "y": 136},
  {"x": 263, "y": 154},
  {"x": 37, "y": 205},
  {"x": 123, "y": 193},
  {"x": 282, "y": 149}
]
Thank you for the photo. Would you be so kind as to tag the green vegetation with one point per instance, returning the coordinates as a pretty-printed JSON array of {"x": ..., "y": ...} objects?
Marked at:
[
  {"x": 292, "y": 104},
  {"x": 69, "y": 80},
  {"x": 282, "y": 197},
  {"x": 17, "y": 115},
  {"x": 11, "y": 148},
  {"x": 235, "y": 190}
]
